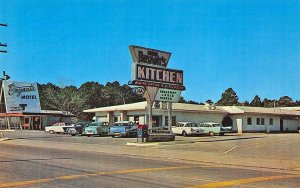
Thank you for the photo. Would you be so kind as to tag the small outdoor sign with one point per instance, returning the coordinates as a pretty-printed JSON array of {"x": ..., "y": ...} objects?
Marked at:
[
  {"x": 168, "y": 95},
  {"x": 138, "y": 90}
]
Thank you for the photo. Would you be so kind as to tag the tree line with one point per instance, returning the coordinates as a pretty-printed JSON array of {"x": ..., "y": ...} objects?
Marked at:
[
  {"x": 230, "y": 98},
  {"x": 88, "y": 95},
  {"x": 94, "y": 95}
]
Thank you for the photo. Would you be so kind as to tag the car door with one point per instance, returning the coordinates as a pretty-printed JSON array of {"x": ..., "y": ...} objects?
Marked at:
[
  {"x": 176, "y": 129},
  {"x": 206, "y": 128},
  {"x": 55, "y": 127},
  {"x": 216, "y": 128}
]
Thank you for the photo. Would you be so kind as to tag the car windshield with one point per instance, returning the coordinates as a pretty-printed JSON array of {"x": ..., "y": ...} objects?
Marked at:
[
  {"x": 121, "y": 124},
  {"x": 192, "y": 125},
  {"x": 97, "y": 124},
  {"x": 94, "y": 124}
]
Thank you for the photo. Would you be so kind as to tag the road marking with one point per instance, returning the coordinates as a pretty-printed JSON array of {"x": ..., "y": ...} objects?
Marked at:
[
  {"x": 231, "y": 149},
  {"x": 101, "y": 173},
  {"x": 243, "y": 181}
]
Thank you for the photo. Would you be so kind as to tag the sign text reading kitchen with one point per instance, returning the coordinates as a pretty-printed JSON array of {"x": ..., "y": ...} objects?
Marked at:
[{"x": 156, "y": 74}]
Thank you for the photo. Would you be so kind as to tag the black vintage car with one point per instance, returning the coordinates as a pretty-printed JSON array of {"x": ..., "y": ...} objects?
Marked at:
[{"x": 78, "y": 128}]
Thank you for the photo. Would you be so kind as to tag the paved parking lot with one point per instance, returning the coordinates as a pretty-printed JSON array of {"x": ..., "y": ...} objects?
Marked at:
[
  {"x": 255, "y": 160},
  {"x": 259, "y": 146}
]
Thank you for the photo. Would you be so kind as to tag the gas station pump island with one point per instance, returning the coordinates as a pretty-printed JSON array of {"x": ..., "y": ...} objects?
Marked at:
[{"x": 150, "y": 73}]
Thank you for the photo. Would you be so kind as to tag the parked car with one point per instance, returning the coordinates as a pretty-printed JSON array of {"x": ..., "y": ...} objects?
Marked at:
[
  {"x": 212, "y": 128},
  {"x": 123, "y": 129},
  {"x": 60, "y": 127},
  {"x": 228, "y": 129},
  {"x": 187, "y": 128},
  {"x": 96, "y": 128},
  {"x": 78, "y": 128}
]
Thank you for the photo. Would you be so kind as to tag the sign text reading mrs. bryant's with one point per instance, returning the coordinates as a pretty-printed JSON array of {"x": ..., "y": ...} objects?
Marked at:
[{"x": 156, "y": 74}]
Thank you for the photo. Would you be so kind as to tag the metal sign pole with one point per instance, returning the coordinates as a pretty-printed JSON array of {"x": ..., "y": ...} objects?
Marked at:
[
  {"x": 169, "y": 116},
  {"x": 150, "y": 104},
  {"x": 150, "y": 96}
]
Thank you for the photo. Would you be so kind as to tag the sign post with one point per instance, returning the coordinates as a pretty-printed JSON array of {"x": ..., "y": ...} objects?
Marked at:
[{"x": 169, "y": 116}]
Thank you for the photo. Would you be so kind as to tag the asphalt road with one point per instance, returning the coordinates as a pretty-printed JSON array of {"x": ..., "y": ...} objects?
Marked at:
[{"x": 38, "y": 166}]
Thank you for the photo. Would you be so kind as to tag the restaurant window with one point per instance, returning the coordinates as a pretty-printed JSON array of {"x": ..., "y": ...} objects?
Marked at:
[
  {"x": 173, "y": 120},
  {"x": 257, "y": 121},
  {"x": 271, "y": 121},
  {"x": 26, "y": 120},
  {"x": 136, "y": 119},
  {"x": 262, "y": 121},
  {"x": 249, "y": 121}
]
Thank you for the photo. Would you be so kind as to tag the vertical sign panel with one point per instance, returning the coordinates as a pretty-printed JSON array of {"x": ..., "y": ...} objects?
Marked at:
[{"x": 21, "y": 97}]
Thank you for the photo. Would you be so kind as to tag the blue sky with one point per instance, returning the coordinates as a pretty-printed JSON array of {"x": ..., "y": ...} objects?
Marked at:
[{"x": 251, "y": 46}]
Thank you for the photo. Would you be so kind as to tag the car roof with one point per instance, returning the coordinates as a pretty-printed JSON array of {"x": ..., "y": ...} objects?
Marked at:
[
  {"x": 211, "y": 122},
  {"x": 98, "y": 122},
  {"x": 185, "y": 122},
  {"x": 123, "y": 122}
]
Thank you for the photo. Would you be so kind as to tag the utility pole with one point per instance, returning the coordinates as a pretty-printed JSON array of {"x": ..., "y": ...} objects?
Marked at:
[{"x": 3, "y": 44}]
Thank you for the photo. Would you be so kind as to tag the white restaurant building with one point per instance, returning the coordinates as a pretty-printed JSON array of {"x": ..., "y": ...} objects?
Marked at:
[{"x": 252, "y": 119}]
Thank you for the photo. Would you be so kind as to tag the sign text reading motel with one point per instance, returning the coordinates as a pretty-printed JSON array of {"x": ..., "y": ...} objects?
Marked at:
[{"x": 156, "y": 74}]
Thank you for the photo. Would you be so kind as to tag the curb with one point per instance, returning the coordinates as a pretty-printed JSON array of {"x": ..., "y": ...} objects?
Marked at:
[
  {"x": 4, "y": 139},
  {"x": 158, "y": 143},
  {"x": 142, "y": 144}
]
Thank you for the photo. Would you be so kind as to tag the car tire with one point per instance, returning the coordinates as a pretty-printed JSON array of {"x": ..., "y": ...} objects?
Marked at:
[
  {"x": 221, "y": 134},
  {"x": 73, "y": 134},
  {"x": 211, "y": 133},
  {"x": 184, "y": 133},
  {"x": 51, "y": 132}
]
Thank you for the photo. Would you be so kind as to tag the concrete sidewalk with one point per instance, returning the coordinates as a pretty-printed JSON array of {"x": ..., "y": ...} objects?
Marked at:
[{"x": 162, "y": 152}]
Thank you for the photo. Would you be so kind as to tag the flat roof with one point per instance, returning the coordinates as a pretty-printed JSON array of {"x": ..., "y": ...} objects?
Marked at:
[{"x": 200, "y": 108}]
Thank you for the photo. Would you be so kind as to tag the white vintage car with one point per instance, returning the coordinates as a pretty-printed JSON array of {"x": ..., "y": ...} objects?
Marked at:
[
  {"x": 212, "y": 128},
  {"x": 60, "y": 127},
  {"x": 187, "y": 128}
]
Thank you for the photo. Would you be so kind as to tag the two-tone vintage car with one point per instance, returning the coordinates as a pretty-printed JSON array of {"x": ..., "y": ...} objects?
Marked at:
[
  {"x": 187, "y": 128},
  {"x": 60, "y": 127},
  {"x": 123, "y": 129},
  {"x": 211, "y": 128},
  {"x": 96, "y": 128}
]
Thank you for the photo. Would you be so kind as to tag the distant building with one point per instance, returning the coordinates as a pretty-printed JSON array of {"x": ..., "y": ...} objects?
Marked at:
[
  {"x": 251, "y": 119},
  {"x": 20, "y": 108}
]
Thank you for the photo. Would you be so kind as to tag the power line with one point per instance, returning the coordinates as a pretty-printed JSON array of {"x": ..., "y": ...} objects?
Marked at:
[{"x": 3, "y": 44}]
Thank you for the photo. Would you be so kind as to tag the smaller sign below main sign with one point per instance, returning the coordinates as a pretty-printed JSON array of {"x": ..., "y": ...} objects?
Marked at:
[
  {"x": 138, "y": 90},
  {"x": 155, "y": 84},
  {"x": 168, "y": 95}
]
